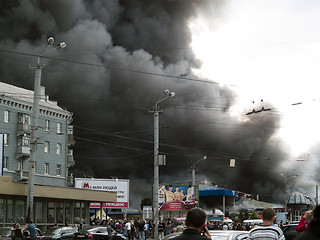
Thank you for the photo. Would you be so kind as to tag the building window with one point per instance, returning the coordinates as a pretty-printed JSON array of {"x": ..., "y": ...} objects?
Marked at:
[
  {"x": 47, "y": 126},
  {"x": 59, "y": 148},
  {"x": 39, "y": 211},
  {"x": 6, "y": 139},
  {"x": 20, "y": 165},
  {"x": 6, "y": 116},
  {"x": 5, "y": 162},
  {"x": 70, "y": 130},
  {"x": 46, "y": 168},
  {"x": 58, "y": 170},
  {"x": 59, "y": 128},
  {"x": 24, "y": 118},
  {"x": 46, "y": 147}
]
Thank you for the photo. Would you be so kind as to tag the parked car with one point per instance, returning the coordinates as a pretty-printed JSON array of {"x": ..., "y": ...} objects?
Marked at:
[
  {"x": 228, "y": 235},
  {"x": 5, "y": 233},
  {"x": 96, "y": 233},
  {"x": 289, "y": 231},
  {"x": 59, "y": 233},
  {"x": 219, "y": 235}
]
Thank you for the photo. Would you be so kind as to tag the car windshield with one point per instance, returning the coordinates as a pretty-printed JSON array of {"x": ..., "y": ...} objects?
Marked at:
[{"x": 53, "y": 231}]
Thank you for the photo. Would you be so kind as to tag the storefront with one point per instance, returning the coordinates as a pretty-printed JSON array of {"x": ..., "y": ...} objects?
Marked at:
[{"x": 52, "y": 205}]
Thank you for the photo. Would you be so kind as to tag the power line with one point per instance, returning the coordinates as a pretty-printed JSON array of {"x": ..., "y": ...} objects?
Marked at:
[{"x": 112, "y": 68}]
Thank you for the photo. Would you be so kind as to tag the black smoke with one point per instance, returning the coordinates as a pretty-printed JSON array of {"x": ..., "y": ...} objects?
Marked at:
[{"x": 120, "y": 57}]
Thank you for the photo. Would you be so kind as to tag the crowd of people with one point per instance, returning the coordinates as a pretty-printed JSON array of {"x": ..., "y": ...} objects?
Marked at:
[{"x": 197, "y": 227}]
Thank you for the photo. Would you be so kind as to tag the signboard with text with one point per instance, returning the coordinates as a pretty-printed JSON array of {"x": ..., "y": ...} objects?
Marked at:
[
  {"x": 177, "y": 197},
  {"x": 120, "y": 186}
]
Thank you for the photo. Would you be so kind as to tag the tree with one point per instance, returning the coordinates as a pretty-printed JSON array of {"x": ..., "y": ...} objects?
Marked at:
[
  {"x": 253, "y": 215},
  {"x": 146, "y": 202}
]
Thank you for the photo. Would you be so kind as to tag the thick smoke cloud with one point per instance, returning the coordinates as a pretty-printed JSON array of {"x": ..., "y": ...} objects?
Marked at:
[{"x": 113, "y": 126}]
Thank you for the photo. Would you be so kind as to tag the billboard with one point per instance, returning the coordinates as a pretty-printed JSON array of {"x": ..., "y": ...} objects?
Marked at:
[
  {"x": 1, "y": 152},
  {"x": 177, "y": 197},
  {"x": 121, "y": 186}
]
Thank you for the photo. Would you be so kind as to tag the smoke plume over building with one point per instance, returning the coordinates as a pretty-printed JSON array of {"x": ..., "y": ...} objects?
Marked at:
[{"x": 120, "y": 57}]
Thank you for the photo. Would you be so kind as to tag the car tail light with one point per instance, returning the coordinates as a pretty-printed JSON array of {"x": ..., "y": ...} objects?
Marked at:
[{"x": 90, "y": 235}]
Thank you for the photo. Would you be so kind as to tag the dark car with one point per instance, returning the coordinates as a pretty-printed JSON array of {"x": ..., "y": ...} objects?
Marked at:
[
  {"x": 96, "y": 233},
  {"x": 59, "y": 233},
  {"x": 289, "y": 231}
]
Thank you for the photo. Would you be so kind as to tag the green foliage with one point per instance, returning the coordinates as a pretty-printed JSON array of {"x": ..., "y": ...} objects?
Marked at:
[
  {"x": 253, "y": 215},
  {"x": 146, "y": 202}
]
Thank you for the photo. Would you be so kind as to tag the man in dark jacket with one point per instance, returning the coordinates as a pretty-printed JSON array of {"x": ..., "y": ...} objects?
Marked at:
[
  {"x": 313, "y": 230},
  {"x": 196, "y": 226}
]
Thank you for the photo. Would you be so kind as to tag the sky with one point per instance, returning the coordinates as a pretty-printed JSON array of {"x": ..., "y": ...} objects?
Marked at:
[{"x": 220, "y": 57}]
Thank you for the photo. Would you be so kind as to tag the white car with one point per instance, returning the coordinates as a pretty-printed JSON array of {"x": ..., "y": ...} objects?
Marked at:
[{"x": 219, "y": 235}]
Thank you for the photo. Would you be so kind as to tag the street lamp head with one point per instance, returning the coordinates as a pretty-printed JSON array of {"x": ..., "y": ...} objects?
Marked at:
[
  {"x": 166, "y": 92},
  {"x": 62, "y": 45},
  {"x": 172, "y": 94},
  {"x": 205, "y": 157},
  {"x": 50, "y": 40}
]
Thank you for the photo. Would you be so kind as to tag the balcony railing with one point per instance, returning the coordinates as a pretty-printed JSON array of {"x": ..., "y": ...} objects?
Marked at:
[
  {"x": 71, "y": 141},
  {"x": 23, "y": 151}
]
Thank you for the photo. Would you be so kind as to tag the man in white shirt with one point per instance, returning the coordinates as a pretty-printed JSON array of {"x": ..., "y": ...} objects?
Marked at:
[{"x": 267, "y": 231}]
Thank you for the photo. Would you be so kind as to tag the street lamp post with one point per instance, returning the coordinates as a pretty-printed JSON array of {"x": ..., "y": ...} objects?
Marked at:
[
  {"x": 156, "y": 111},
  {"x": 285, "y": 190},
  {"x": 34, "y": 126},
  {"x": 194, "y": 171}
]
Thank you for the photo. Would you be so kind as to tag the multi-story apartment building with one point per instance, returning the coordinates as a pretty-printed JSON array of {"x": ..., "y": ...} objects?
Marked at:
[
  {"x": 54, "y": 201},
  {"x": 54, "y": 136}
]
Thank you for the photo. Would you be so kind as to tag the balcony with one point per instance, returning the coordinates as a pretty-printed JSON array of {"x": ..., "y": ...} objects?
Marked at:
[
  {"x": 21, "y": 175},
  {"x": 70, "y": 161},
  {"x": 23, "y": 128},
  {"x": 23, "y": 152},
  {"x": 71, "y": 141}
]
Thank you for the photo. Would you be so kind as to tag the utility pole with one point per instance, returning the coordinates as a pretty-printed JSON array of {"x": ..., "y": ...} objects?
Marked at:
[
  {"x": 34, "y": 126},
  {"x": 156, "y": 111}
]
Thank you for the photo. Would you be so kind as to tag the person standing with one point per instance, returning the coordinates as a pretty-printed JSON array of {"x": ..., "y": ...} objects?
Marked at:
[
  {"x": 168, "y": 228},
  {"x": 32, "y": 230},
  {"x": 17, "y": 233},
  {"x": 140, "y": 227},
  {"x": 180, "y": 228},
  {"x": 267, "y": 230},
  {"x": 196, "y": 226},
  {"x": 313, "y": 230},
  {"x": 303, "y": 224}
]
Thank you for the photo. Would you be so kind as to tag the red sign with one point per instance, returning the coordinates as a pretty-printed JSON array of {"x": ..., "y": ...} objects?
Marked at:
[{"x": 110, "y": 205}]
